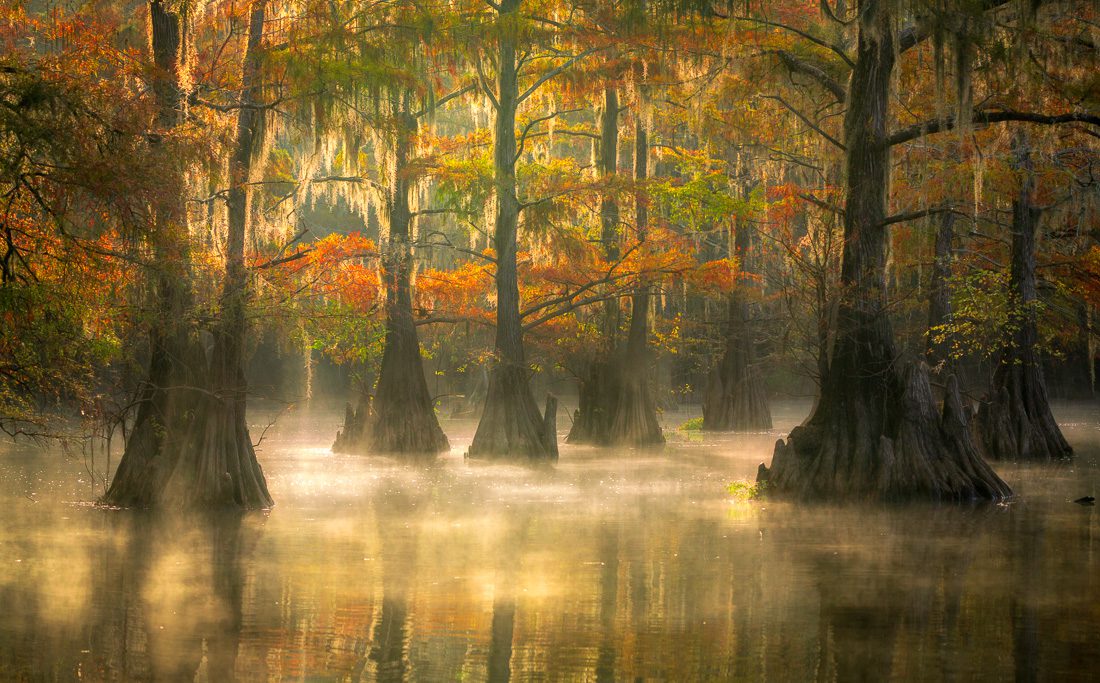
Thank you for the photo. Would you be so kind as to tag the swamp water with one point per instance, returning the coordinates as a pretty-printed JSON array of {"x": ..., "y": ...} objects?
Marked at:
[{"x": 611, "y": 565}]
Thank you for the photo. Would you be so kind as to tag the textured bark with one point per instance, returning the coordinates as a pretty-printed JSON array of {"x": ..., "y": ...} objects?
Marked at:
[
  {"x": 1014, "y": 419},
  {"x": 168, "y": 394},
  {"x": 874, "y": 432},
  {"x": 734, "y": 398},
  {"x": 218, "y": 467},
  {"x": 511, "y": 425},
  {"x": 402, "y": 417}
]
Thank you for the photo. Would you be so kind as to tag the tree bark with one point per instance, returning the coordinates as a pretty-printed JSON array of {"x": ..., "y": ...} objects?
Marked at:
[
  {"x": 735, "y": 399},
  {"x": 939, "y": 297},
  {"x": 1014, "y": 420},
  {"x": 510, "y": 425},
  {"x": 599, "y": 391},
  {"x": 166, "y": 398},
  {"x": 635, "y": 417},
  {"x": 401, "y": 418},
  {"x": 874, "y": 432},
  {"x": 219, "y": 466}
]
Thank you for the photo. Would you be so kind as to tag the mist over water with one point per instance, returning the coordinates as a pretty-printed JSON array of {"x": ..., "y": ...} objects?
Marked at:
[{"x": 611, "y": 565}]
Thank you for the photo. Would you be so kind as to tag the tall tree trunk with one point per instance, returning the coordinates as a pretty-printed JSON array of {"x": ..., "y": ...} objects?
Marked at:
[
  {"x": 874, "y": 432},
  {"x": 510, "y": 426},
  {"x": 219, "y": 467},
  {"x": 939, "y": 296},
  {"x": 599, "y": 390},
  {"x": 166, "y": 399},
  {"x": 401, "y": 417},
  {"x": 735, "y": 399},
  {"x": 1014, "y": 420},
  {"x": 635, "y": 418}
]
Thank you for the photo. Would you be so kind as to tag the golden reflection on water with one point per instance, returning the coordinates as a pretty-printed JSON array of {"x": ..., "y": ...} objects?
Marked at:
[{"x": 608, "y": 567}]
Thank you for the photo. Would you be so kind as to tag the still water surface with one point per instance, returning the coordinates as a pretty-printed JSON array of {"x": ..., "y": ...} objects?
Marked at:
[{"x": 609, "y": 566}]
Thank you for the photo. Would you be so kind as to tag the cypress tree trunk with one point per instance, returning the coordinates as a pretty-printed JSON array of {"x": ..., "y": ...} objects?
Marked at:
[
  {"x": 164, "y": 416},
  {"x": 635, "y": 418},
  {"x": 218, "y": 468},
  {"x": 735, "y": 399},
  {"x": 874, "y": 432},
  {"x": 401, "y": 417},
  {"x": 939, "y": 300},
  {"x": 1014, "y": 420},
  {"x": 510, "y": 426},
  {"x": 599, "y": 391}
]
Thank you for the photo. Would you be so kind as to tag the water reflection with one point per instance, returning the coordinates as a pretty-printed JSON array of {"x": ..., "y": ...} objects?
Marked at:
[{"x": 609, "y": 567}]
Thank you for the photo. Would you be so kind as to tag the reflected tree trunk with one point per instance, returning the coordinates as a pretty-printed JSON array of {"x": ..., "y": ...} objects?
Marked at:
[
  {"x": 500, "y": 641},
  {"x": 609, "y": 593},
  {"x": 389, "y": 641}
]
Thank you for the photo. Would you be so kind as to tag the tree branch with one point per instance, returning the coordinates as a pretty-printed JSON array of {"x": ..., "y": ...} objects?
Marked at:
[
  {"x": 554, "y": 72},
  {"x": 484, "y": 82},
  {"x": 805, "y": 120},
  {"x": 836, "y": 49},
  {"x": 821, "y": 203},
  {"x": 445, "y": 99},
  {"x": 983, "y": 118},
  {"x": 913, "y": 215},
  {"x": 796, "y": 65}
]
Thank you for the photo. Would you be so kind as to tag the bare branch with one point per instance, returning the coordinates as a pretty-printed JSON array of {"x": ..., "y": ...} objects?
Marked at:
[
  {"x": 806, "y": 120},
  {"x": 836, "y": 49},
  {"x": 983, "y": 118},
  {"x": 554, "y": 72}
]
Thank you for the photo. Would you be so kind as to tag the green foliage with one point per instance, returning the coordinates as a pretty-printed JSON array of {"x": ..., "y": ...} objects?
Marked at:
[
  {"x": 742, "y": 491},
  {"x": 345, "y": 334},
  {"x": 986, "y": 315},
  {"x": 466, "y": 185},
  {"x": 695, "y": 424},
  {"x": 701, "y": 195},
  {"x": 49, "y": 351}
]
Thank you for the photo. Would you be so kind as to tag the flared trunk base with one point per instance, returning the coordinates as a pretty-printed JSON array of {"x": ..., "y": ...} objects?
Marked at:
[
  {"x": 736, "y": 404},
  {"x": 836, "y": 455},
  {"x": 511, "y": 427},
  {"x": 1015, "y": 422}
]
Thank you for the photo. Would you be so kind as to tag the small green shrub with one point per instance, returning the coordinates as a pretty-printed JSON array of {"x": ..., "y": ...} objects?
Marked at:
[
  {"x": 743, "y": 490},
  {"x": 695, "y": 424}
]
